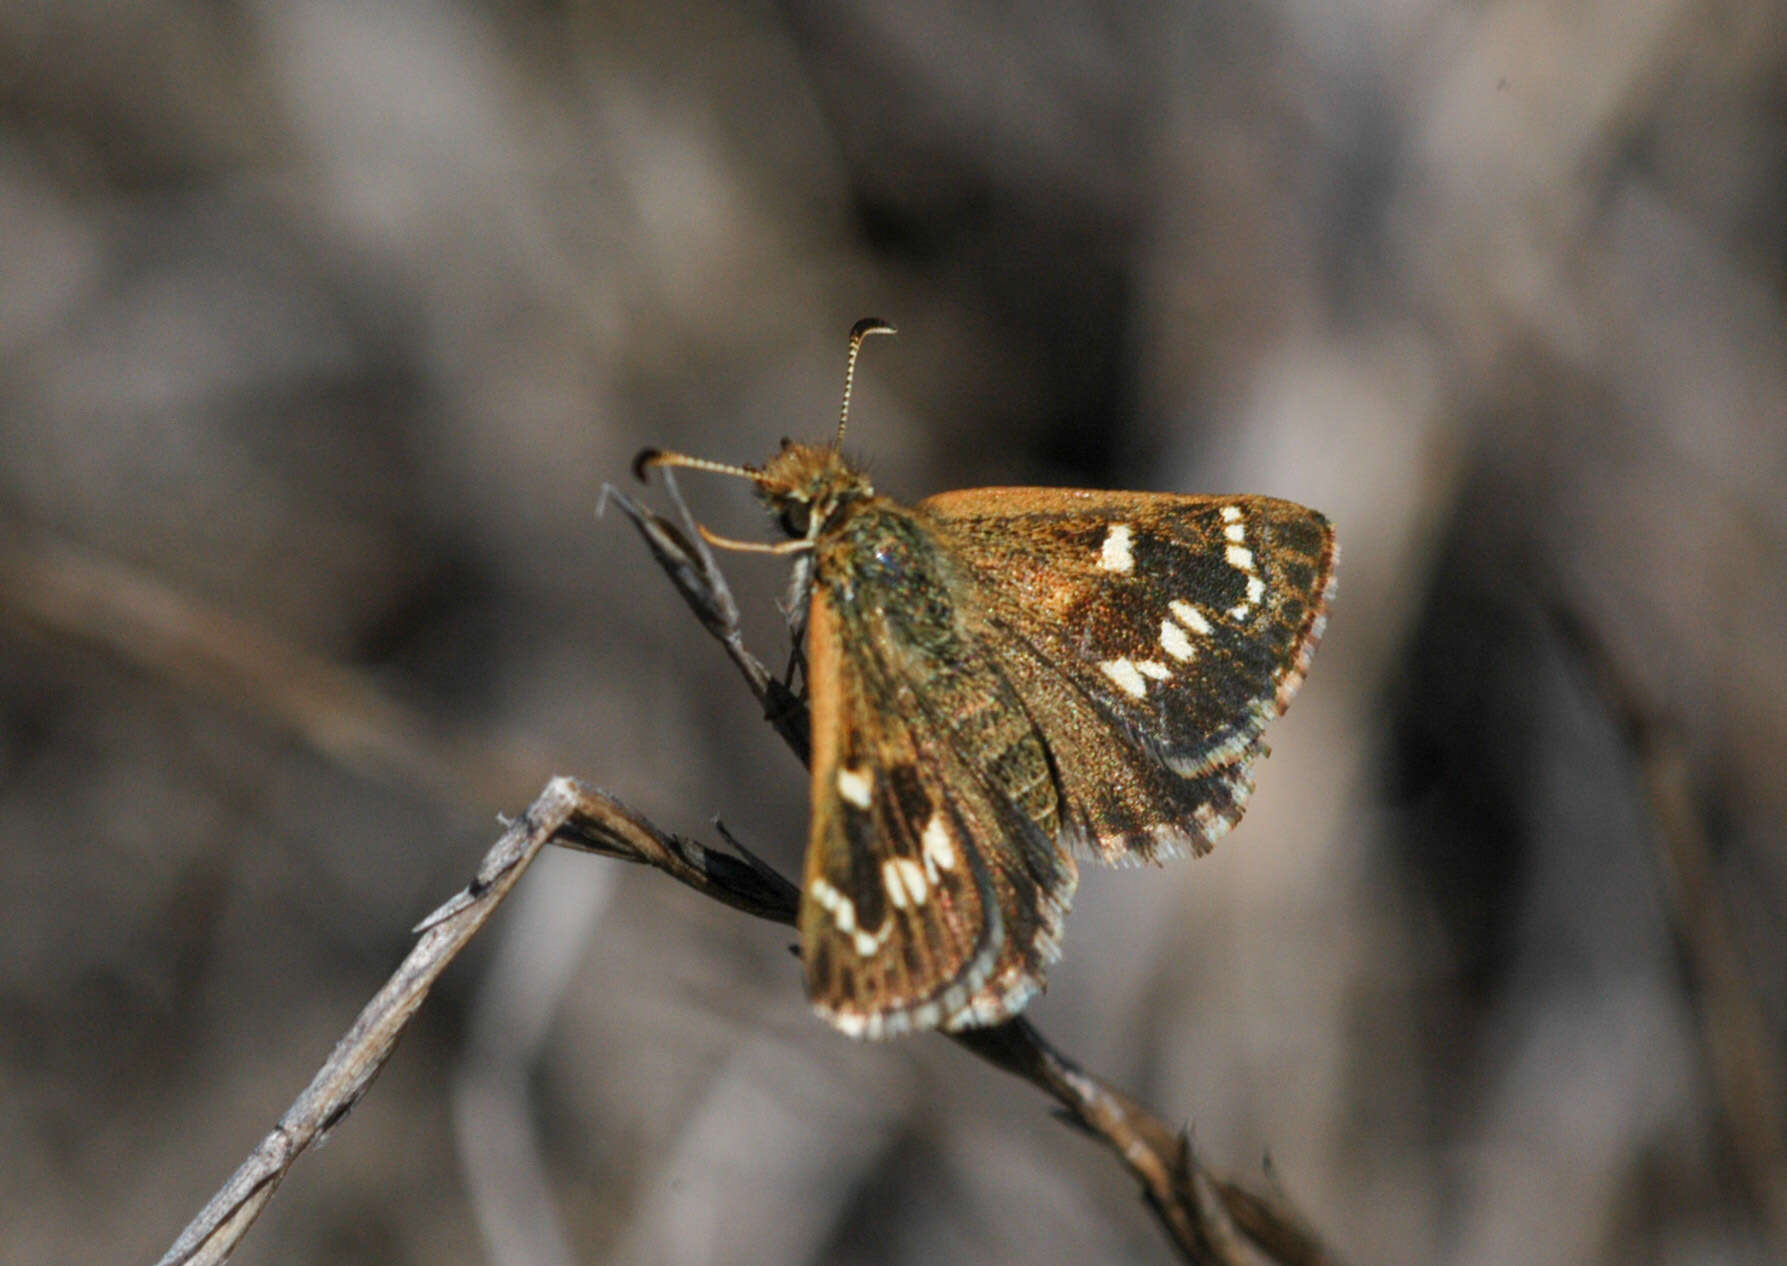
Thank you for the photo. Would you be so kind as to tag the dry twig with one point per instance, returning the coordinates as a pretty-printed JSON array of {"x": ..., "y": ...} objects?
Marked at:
[
  {"x": 363, "y": 1050},
  {"x": 1210, "y": 1220}
]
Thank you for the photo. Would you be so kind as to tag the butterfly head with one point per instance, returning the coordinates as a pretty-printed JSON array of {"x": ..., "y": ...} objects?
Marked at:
[{"x": 809, "y": 488}]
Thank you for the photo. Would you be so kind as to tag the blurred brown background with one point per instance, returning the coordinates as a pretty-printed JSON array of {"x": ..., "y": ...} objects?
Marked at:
[{"x": 322, "y": 326}]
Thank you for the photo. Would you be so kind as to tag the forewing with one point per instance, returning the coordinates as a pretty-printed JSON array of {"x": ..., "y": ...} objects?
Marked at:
[{"x": 1153, "y": 635}]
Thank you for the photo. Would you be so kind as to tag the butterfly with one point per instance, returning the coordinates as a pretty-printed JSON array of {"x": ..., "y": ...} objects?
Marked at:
[{"x": 1003, "y": 680}]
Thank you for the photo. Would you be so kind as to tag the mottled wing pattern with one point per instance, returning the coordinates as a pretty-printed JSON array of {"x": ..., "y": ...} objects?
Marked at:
[
  {"x": 935, "y": 885},
  {"x": 1152, "y": 637}
]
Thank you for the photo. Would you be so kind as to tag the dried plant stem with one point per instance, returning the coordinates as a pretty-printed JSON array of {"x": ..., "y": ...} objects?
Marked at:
[
  {"x": 1213, "y": 1222},
  {"x": 567, "y": 813},
  {"x": 363, "y": 1050},
  {"x": 1208, "y": 1220}
]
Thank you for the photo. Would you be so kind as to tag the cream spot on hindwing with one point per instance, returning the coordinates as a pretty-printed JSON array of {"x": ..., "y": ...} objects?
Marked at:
[
  {"x": 1154, "y": 668},
  {"x": 1128, "y": 678},
  {"x": 895, "y": 885},
  {"x": 905, "y": 882},
  {"x": 914, "y": 875},
  {"x": 1114, "y": 554},
  {"x": 843, "y": 917},
  {"x": 836, "y": 904},
  {"x": 1241, "y": 558},
  {"x": 940, "y": 850},
  {"x": 1174, "y": 642},
  {"x": 855, "y": 785}
]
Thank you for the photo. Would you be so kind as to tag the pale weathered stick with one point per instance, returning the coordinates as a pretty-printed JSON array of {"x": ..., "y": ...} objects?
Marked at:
[
  {"x": 1211, "y": 1221},
  {"x": 363, "y": 1050},
  {"x": 566, "y": 812}
]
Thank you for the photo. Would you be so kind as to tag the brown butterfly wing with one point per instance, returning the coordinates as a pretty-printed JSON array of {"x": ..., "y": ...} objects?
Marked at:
[
  {"x": 1152, "y": 637},
  {"x": 905, "y": 924},
  {"x": 1005, "y": 671},
  {"x": 936, "y": 882}
]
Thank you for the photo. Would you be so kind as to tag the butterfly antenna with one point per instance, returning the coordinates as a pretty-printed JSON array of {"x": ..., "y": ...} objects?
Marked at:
[
  {"x": 651, "y": 457},
  {"x": 858, "y": 332}
]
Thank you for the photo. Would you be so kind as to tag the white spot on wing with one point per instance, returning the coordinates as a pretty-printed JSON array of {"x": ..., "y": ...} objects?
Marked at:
[
  {"x": 1241, "y": 559},
  {"x": 911, "y": 879},
  {"x": 1231, "y": 514},
  {"x": 843, "y": 917},
  {"x": 1235, "y": 532},
  {"x": 940, "y": 851},
  {"x": 854, "y": 785},
  {"x": 1114, "y": 555},
  {"x": 894, "y": 882},
  {"x": 1129, "y": 680},
  {"x": 1256, "y": 589},
  {"x": 1174, "y": 642},
  {"x": 1189, "y": 616},
  {"x": 1155, "y": 669},
  {"x": 836, "y": 904}
]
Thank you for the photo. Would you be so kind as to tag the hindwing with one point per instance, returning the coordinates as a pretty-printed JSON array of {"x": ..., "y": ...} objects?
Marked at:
[{"x": 935, "y": 885}]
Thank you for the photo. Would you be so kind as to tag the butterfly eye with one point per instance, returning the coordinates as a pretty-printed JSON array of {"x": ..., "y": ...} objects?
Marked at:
[{"x": 795, "y": 519}]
